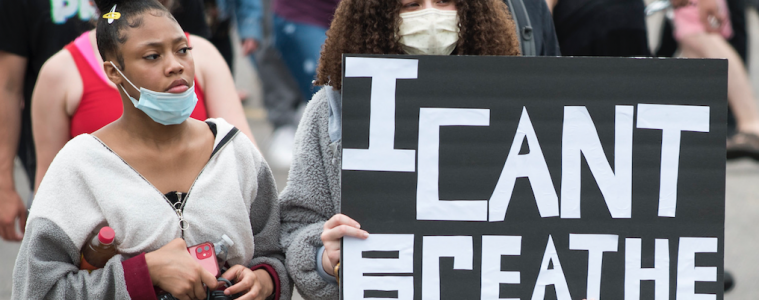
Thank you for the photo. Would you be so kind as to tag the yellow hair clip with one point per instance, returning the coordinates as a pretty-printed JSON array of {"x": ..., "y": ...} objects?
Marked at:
[{"x": 113, "y": 15}]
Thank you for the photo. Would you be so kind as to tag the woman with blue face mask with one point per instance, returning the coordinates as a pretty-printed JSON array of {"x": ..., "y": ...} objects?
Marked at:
[
  {"x": 76, "y": 97},
  {"x": 311, "y": 224},
  {"x": 161, "y": 180}
]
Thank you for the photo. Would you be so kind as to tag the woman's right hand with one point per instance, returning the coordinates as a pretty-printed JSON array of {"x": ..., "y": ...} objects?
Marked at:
[
  {"x": 335, "y": 229},
  {"x": 172, "y": 269}
]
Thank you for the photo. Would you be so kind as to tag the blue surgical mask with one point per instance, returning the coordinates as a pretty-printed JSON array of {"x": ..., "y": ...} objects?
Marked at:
[{"x": 163, "y": 108}]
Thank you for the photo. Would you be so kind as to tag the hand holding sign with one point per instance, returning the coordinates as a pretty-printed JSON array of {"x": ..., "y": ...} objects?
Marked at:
[{"x": 335, "y": 229}]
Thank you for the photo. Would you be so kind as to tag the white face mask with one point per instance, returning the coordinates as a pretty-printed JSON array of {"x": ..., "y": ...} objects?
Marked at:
[{"x": 429, "y": 31}]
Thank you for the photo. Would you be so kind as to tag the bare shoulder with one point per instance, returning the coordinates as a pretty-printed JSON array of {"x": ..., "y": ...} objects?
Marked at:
[
  {"x": 59, "y": 80},
  {"x": 58, "y": 67},
  {"x": 208, "y": 60},
  {"x": 201, "y": 46}
]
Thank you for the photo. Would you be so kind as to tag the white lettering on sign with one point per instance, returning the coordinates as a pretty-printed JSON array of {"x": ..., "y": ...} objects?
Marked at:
[
  {"x": 553, "y": 276},
  {"x": 581, "y": 138},
  {"x": 688, "y": 273},
  {"x": 355, "y": 266},
  {"x": 531, "y": 165},
  {"x": 395, "y": 273},
  {"x": 634, "y": 273},
  {"x": 435, "y": 247},
  {"x": 493, "y": 247},
  {"x": 596, "y": 245},
  {"x": 381, "y": 155},
  {"x": 428, "y": 204},
  {"x": 671, "y": 120}
]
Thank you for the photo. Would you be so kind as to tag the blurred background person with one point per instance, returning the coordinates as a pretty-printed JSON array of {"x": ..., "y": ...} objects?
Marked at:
[
  {"x": 31, "y": 31},
  {"x": 300, "y": 28},
  {"x": 247, "y": 14},
  {"x": 534, "y": 25},
  {"x": 190, "y": 15},
  {"x": 298, "y": 31},
  {"x": 739, "y": 41},
  {"x": 702, "y": 28},
  {"x": 601, "y": 27}
]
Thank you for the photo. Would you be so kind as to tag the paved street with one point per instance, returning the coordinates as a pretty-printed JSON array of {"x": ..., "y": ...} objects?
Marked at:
[{"x": 742, "y": 205}]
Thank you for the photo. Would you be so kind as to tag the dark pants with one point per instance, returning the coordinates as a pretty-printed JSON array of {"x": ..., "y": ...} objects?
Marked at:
[
  {"x": 281, "y": 92},
  {"x": 221, "y": 39}
]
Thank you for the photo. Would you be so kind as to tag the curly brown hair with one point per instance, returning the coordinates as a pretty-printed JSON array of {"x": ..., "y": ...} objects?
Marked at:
[{"x": 371, "y": 27}]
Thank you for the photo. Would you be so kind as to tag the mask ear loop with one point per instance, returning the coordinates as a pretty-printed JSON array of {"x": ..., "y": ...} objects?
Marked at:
[{"x": 122, "y": 75}]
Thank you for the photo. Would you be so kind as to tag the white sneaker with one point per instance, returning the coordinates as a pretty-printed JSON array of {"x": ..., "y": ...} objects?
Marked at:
[{"x": 281, "y": 147}]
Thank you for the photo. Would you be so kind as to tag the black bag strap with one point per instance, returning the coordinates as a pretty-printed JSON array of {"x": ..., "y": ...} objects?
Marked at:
[
  {"x": 225, "y": 140},
  {"x": 524, "y": 27}
]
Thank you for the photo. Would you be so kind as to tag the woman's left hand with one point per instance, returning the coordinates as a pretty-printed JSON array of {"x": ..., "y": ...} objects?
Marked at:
[{"x": 256, "y": 285}]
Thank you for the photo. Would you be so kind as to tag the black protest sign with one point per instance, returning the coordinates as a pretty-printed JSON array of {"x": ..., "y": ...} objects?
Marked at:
[{"x": 534, "y": 178}]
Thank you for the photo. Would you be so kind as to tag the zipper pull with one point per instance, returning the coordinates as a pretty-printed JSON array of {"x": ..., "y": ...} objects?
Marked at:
[
  {"x": 182, "y": 223},
  {"x": 177, "y": 208}
]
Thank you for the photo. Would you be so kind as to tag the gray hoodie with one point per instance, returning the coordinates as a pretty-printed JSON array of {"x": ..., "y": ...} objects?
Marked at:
[{"x": 312, "y": 195}]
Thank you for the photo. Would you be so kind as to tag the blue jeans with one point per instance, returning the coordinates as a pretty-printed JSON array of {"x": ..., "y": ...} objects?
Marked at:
[{"x": 300, "y": 45}]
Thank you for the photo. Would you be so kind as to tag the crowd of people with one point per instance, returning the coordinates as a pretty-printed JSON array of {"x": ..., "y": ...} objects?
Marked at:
[{"x": 125, "y": 112}]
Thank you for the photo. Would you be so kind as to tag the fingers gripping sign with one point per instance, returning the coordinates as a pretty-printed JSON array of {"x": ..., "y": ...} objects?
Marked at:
[{"x": 335, "y": 229}]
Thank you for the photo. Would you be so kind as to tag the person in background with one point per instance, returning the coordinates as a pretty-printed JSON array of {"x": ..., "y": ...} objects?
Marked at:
[
  {"x": 601, "y": 27},
  {"x": 311, "y": 226},
  {"x": 190, "y": 14},
  {"x": 77, "y": 98},
  {"x": 247, "y": 14},
  {"x": 299, "y": 30},
  {"x": 739, "y": 41},
  {"x": 281, "y": 96},
  {"x": 31, "y": 31},
  {"x": 535, "y": 28},
  {"x": 160, "y": 179},
  {"x": 702, "y": 28}
]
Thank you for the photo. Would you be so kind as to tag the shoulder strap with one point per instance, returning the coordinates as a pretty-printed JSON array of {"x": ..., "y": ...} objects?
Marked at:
[
  {"x": 225, "y": 140},
  {"x": 89, "y": 77},
  {"x": 524, "y": 27}
]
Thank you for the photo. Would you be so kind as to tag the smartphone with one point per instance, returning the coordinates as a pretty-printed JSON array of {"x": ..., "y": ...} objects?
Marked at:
[{"x": 206, "y": 256}]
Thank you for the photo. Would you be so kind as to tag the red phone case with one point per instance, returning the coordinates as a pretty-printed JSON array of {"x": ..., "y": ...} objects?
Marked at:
[{"x": 205, "y": 254}]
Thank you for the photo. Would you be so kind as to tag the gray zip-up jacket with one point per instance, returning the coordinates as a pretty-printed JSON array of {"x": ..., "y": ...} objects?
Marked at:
[
  {"x": 88, "y": 184},
  {"x": 312, "y": 195}
]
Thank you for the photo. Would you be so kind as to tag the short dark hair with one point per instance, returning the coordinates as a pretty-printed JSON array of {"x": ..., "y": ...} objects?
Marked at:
[{"x": 109, "y": 36}]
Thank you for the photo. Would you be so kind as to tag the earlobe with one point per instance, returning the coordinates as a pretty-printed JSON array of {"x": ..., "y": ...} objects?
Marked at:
[{"x": 112, "y": 73}]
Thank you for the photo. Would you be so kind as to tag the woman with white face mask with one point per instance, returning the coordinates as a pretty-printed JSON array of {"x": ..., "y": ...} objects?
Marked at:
[{"x": 309, "y": 205}]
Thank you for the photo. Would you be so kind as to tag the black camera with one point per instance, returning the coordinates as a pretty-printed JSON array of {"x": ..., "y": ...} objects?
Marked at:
[{"x": 212, "y": 295}]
